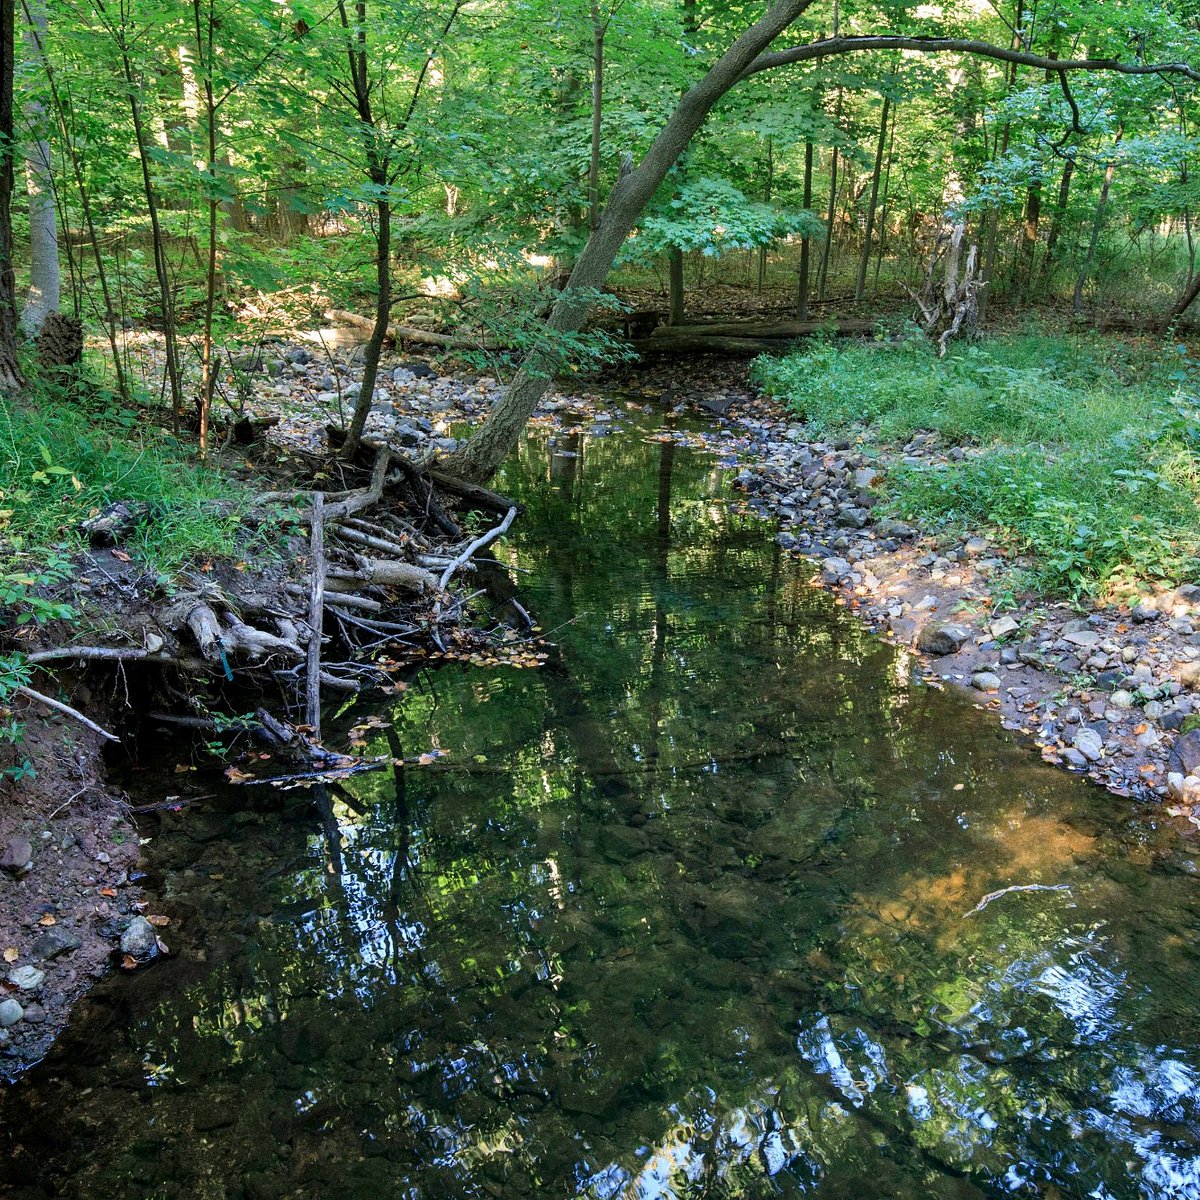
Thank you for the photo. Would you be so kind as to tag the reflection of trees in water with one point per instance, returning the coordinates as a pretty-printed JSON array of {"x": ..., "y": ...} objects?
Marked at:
[{"x": 684, "y": 911}]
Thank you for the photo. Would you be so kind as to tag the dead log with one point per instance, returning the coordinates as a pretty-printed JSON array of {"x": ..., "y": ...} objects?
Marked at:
[
  {"x": 380, "y": 572},
  {"x": 420, "y": 337},
  {"x": 747, "y": 341}
]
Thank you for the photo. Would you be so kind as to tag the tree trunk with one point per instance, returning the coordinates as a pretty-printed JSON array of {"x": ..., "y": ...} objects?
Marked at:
[
  {"x": 1060, "y": 213},
  {"x": 864, "y": 262},
  {"x": 205, "y": 25},
  {"x": 762, "y": 250},
  {"x": 501, "y": 430},
  {"x": 805, "y": 243},
  {"x": 823, "y": 272},
  {"x": 598, "y": 31},
  {"x": 675, "y": 293},
  {"x": 43, "y": 295},
  {"x": 10, "y": 371},
  {"x": 1097, "y": 225}
]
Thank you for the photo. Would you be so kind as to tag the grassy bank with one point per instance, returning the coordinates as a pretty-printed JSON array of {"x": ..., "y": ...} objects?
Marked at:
[{"x": 1081, "y": 453}]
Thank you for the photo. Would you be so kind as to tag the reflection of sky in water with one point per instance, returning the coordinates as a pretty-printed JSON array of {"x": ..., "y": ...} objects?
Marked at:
[{"x": 683, "y": 917}]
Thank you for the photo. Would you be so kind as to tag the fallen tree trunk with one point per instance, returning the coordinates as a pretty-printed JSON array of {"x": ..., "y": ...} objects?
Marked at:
[
  {"x": 420, "y": 337},
  {"x": 697, "y": 339}
]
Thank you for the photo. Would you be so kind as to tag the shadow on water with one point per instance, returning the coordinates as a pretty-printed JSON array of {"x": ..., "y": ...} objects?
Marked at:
[{"x": 683, "y": 914}]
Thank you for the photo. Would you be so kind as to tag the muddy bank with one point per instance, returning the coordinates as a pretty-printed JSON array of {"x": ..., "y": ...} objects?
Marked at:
[{"x": 68, "y": 880}]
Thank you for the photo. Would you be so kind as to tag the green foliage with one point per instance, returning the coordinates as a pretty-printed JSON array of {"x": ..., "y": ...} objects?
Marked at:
[
  {"x": 1081, "y": 453},
  {"x": 61, "y": 459},
  {"x": 713, "y": 217}
]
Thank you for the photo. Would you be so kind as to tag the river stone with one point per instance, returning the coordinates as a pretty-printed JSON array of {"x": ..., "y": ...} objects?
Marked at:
[
  {"x": 26, "y": 978},
  {"x": 10, "y": 1013},
  {"x": 1121, "y": 699},
  {"x": 1189, "y": 674},
  {"x": 834, "y": 569},
  {"x": 139, "y": 939},
  {"x": 17, "y": 857},
  {"x": 1086, "y": 638},
  {"x": 55, "y": 941},
  {"x": 942, "y": 637},
  {"x": 1185, "y": 754},
  {"x": 1002, "y": 627},
  {"x": 1090, "y": 744},
  {"x": 985, "y": 681}
]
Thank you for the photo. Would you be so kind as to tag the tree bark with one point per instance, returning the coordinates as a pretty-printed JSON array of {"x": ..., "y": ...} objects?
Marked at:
[
  {"x": 43, "y": 295},
  {"x": 10, "y": 371},
  {"x": 805, "y": 243},
  {"x": 823, "y": 272}
]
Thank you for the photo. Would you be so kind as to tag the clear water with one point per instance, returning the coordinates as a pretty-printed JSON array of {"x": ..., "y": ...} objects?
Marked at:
[{"x": 682, "y": 914}]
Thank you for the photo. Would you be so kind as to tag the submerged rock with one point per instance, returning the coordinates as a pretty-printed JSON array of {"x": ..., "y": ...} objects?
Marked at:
[{"x": 139, "y": 940}]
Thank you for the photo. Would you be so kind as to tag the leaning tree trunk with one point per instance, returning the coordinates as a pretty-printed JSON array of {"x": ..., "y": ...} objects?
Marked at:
[
  {"x": 10, "y": 371},
  {"x": 481, "y": 457},
  {"x": 43, "y": 295}
]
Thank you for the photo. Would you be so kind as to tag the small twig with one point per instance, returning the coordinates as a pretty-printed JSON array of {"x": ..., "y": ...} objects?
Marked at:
[
  {"x": 68, "y": 711},
  {"x": 1017, "y": 887}
]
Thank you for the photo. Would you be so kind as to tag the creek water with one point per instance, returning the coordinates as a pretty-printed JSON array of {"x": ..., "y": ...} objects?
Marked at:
[{"x": 687, "y": 912}]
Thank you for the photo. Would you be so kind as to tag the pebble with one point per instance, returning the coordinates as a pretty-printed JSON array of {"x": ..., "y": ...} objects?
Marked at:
[
  {"x": 1090, "y": 744},
  {"x": 985, "y": 681},
  {"x": 17, "y": 857},
  {"x": 139, "y": 939},
  {"x": 10, "y": 1013},
  {"x": 26, "y": 978},
  {"x": 942, "y": 637}
]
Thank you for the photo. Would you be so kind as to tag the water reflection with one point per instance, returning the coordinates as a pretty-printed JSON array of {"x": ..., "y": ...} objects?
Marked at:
[{"x": 687, "y": 913}]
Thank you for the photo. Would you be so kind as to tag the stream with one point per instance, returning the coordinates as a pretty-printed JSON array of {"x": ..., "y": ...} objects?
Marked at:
[{"x": 687, "y": 912}]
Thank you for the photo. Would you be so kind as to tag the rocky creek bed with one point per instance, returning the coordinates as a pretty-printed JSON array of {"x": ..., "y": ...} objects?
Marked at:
[{"x": 1110, "y": 692}]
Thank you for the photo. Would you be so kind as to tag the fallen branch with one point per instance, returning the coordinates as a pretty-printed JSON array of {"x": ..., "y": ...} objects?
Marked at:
[
  {"x": 316, "y": 617},
  {"x": 379, "y": 572},
  {"x": 1017, "y": 887},
  {"x": 478, "y": 544},
  {"x": 66, "y": 710}
]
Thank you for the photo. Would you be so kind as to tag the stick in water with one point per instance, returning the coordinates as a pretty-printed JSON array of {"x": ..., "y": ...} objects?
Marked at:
[{"x": 1017, "y": 887}]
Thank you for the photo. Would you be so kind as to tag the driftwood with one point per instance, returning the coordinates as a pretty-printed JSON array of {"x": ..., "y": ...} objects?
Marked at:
[
  {"x": 275, "y": 635},
  {"x": 316, "y": 616}
]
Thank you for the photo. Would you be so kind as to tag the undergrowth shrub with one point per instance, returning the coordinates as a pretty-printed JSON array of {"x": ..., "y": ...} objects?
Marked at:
[{"x": 1089, "y": 458}]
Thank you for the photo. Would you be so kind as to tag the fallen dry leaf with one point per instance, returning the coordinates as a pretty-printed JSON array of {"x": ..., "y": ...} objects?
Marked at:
[
  {"x": 47, "y": 920},
  {"x": 159, "y": 920},
  {"x": 129, "y": 962},
  {"x": 108, "y": 891},
  {"x": 11, "y": 954}
]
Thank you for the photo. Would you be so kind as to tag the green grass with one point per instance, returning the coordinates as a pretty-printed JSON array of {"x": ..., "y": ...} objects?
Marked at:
[
  {"x": 62, "y": 459},
  {"x": 1090, "y": 460}
]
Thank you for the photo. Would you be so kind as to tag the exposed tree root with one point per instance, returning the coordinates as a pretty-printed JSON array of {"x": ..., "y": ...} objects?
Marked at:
[{"x": 373, "y": 575}]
